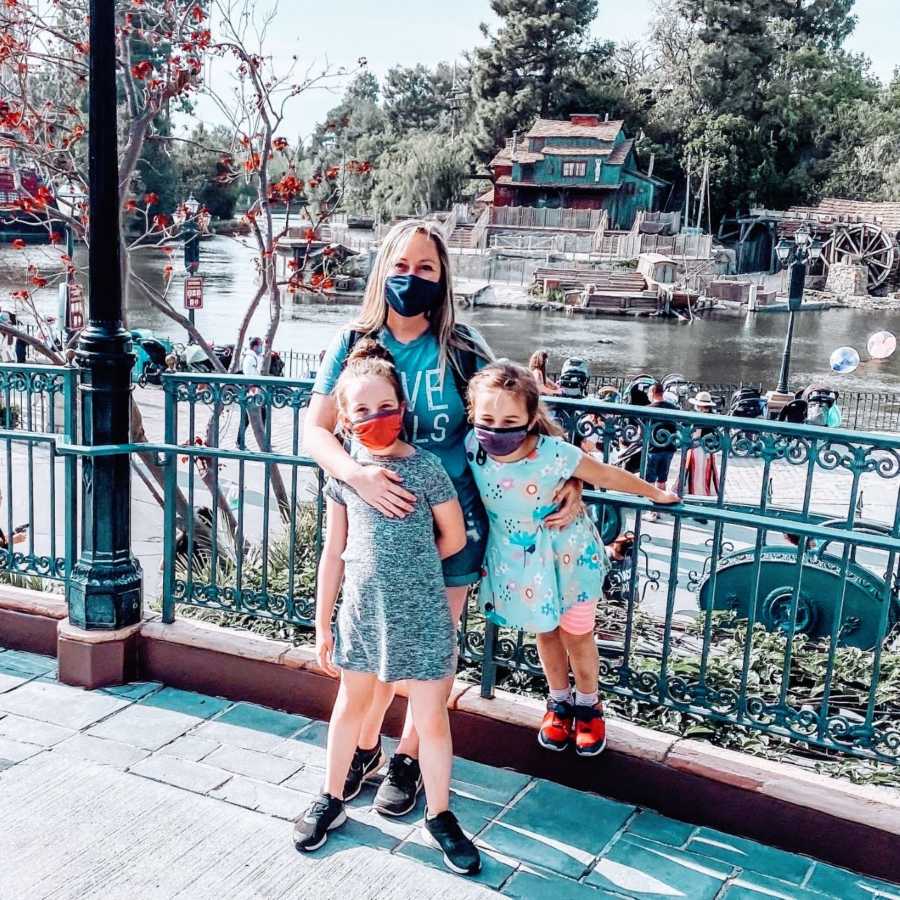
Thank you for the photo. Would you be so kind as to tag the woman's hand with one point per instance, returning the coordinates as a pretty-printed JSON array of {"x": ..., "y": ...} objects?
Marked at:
[
  {"x": 325, "y": 651},
  {"x": 568, "y": 499},
  {"x": 664, "y": 497},
  {"x": 382, "y": 489}
]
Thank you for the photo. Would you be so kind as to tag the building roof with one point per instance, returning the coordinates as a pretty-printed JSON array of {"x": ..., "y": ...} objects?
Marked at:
[
  {"x": 603, "y": 131},
  {"x": 834, "y": 209},
  {"x": 577, "y": 151},
  {"x": 620, "y": 153}
]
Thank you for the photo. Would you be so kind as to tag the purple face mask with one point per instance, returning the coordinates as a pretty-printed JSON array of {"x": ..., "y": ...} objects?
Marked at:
[{"x": 500, "y": 441}]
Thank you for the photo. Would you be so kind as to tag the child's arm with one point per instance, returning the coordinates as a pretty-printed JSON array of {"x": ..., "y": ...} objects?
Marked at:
[
  {"x": 615, "y": 479},
  {"x": 450, "y": 528},
  {"x": 331, "y": 573}
]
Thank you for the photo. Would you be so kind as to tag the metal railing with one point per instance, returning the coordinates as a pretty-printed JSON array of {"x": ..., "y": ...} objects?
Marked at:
[
  {"x": 39, "y": 485},
  {"x": 768, "y": 599},
  {"x": 664, "y": 630}
]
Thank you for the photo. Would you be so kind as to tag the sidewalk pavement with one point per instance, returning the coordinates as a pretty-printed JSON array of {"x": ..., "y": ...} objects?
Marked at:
[{"x": 150, "y": 792}]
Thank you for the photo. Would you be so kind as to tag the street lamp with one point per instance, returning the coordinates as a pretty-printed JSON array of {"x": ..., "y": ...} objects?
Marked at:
[
  {"x": 190, "y": 230},
  {"x": 795, "y": 255}
]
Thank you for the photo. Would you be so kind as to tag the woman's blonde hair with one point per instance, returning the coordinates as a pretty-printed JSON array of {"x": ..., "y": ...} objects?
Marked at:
[
  {"x": 367, "y": 357},
  {"x": 539, "y": 361},
  {"x": 442, "y": 320},
  {"x": 513, "y": 378}
]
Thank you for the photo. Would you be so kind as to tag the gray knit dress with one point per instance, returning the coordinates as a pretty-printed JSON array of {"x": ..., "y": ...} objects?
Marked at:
[{"x": 394, "y": 618}]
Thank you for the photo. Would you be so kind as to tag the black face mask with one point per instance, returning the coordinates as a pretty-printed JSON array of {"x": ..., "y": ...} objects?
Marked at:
[{"x": 409, "y": 295}]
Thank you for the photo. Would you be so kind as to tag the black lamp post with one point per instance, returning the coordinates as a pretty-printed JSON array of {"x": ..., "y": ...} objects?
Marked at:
[
  {"x": 191, "y": 234},
  {"x": 795, "y": 255},
  {"x": 104, "y": 590}
]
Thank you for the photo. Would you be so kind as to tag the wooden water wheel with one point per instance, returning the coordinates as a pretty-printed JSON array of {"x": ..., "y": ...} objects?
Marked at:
[{"x": 869, "y": 243}]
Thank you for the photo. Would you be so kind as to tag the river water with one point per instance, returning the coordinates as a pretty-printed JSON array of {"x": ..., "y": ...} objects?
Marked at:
[{"x": 725, "y": 347}]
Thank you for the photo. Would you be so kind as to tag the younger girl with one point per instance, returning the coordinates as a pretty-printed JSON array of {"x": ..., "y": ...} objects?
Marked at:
[
  {"x": 394, "y": 623},
  {"x": 543, "y": 580}
]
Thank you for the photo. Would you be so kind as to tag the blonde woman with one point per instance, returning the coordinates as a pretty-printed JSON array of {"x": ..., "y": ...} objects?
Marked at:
[
  {"x": 537, "y": 365},
  {"x": 408, "y": 307}
]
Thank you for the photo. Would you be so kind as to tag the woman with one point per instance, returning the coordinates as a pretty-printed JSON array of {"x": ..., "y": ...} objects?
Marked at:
[
  {"x": 408, "y": 307},
  {"x": 701, "y": 474},
  {"x": 538, "y": 368}
]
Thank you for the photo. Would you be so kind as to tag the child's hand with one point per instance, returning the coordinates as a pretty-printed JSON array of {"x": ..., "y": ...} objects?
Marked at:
[
  {"x": 325, "y": 651},
  {"x": 665, "y": 497}
]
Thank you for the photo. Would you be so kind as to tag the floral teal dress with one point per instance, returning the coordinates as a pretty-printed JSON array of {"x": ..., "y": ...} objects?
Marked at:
[{"x": 533, "y": 574}]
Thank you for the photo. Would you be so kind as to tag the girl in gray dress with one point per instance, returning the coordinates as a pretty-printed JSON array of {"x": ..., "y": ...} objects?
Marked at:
[{"x": 394, "y": 621}]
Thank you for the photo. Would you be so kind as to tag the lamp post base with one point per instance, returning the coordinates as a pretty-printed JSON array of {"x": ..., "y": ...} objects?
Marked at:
[
  {"x": 105, "y": 596},
  {"x": 776, "y": 401}
]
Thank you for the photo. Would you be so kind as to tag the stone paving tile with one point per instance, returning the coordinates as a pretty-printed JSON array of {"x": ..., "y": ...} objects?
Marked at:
[
  {"x": 30, "y": 731},
  {"x": 100, "y": 750},
  {"x": 561, "y": 814},
  {"x": 15, "y": 751},
  {"x": 537, "y": 885},
  {"x": 485, "y": 782},
  {"x": 263, "y": 766},
  {"x": 530, "y": 846},
  {"x": 261, "y": 718},
  {"x": 189, "y": 746},
  {"x": 264, "y": 797},
  {"x": 753, "y": 886},
  {"x": 647, "y": 869},
  {"x": 841, "y": 883},
  {"x": 26, "y": 665},
  {"x": 309, "y": 780},
  {"x": 187, "y": 702},
  {"x": 474, "y": 815},
  {"x": 181, "y": 773},
  {"x": 750, "y": 855},
  {"x": 60, "y": 704},
  {"x": 137, "y": 690},
  {"x": 493, "y": 872},
  {"x": 145, "y": 726},
  {"x": 654, "y": 827},
  {"x": 364, "y": 814}
]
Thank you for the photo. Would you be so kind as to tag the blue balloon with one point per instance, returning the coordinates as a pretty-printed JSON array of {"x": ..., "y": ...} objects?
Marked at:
[{"x": 844, "y": 360}]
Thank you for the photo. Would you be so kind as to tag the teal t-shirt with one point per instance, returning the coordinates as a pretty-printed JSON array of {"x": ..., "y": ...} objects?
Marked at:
[{"x": 436, "y": 414}]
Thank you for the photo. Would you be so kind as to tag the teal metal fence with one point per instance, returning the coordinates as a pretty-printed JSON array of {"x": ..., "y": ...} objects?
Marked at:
[
  {"x": 39, "y": 485},
  {"x": 796, "y": 547},
  {"x": 769, "y": 598}
]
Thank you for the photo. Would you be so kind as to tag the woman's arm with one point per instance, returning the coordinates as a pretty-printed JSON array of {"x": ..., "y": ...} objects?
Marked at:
[
  {"x": 615, "y": 479},
  {"x": 331, "y": 573},
  {"x": 449, "y": 527},
  {"x": 379, "y": 487}
]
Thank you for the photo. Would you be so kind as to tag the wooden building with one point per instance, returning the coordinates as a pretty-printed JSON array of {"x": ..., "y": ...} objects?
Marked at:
[{"x": 583, "y": 163}]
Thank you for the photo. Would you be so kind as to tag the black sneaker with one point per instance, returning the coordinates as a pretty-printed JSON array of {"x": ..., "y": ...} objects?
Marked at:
[
  {"x": 460, "y": 854},
  {"x": 311, "y": 829},
  {"x": 364, "y": 765},
  {"x": 398, "y": 792}
]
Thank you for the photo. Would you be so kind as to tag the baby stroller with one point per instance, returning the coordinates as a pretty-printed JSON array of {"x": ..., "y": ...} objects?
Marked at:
[
  {"x": 822, "y": 408},
  {"x": 795, "y": 412},
  {"x": 574, "y": 378},
  {"x": 747, "y": 403},
  {"x": 150, "y": 361}
]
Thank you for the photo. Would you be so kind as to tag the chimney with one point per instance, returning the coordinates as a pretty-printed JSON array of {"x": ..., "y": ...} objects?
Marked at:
[
  {"x": 652, "y": 164},
  {"x": 606, "y": 118},
  {"x": 591, "y": 120},
  {"x": 515, "y": 143}
]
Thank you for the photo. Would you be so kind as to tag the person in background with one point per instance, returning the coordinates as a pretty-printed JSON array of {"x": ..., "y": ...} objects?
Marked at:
[
  {"x": 251, "y": 366},
  {"x": 661, "y": 451},
  {"x": 537, "y": 365},
  {"x": 701, "y": 475}
]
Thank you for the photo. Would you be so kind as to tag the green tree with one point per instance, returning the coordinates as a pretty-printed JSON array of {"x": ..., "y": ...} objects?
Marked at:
[
  {"x": 203, "y": 171},
  {"x": 420, "y": 173},
  {"x": 529, "y": 67}
]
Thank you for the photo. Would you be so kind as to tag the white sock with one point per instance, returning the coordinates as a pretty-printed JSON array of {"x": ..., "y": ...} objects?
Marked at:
[
  {"x": 587, "y": 699},
  {"x": 563, "y": 696}
]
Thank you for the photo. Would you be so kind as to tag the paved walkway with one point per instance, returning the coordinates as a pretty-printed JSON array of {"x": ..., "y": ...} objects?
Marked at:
[{"x": 150, "y": 792}]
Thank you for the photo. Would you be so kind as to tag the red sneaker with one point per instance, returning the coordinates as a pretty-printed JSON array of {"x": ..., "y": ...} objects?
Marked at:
[
  {"x": 590, "y": 730},
  {"x": 556, "y": 727}
]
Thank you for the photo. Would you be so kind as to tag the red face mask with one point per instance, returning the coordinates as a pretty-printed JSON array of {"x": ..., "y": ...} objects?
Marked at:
[{"x": 379, "y": 431}]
